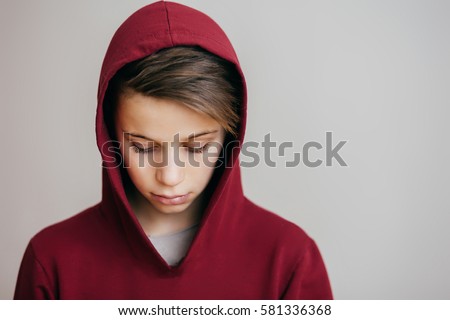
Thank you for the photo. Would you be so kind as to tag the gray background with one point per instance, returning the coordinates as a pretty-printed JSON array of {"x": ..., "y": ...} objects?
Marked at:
[{"x": 375, "y": 73}]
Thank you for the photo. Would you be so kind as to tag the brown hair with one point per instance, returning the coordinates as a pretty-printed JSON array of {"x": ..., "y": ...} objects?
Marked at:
[{"x": 188, "y": 74}]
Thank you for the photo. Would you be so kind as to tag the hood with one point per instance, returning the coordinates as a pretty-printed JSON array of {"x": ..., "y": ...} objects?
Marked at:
[{"x": 156, "y": 26}]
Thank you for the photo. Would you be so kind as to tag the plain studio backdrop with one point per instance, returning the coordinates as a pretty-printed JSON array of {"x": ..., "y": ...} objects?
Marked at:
[{"x": 374, "y": 73}]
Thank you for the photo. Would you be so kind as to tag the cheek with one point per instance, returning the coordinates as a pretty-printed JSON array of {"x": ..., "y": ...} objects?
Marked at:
[
  {"x": 198, "y": 176},
  {"x": 211, "y": 158},
  {"x": 141, "y": 175},
  {"x": 201, "y": 165}
]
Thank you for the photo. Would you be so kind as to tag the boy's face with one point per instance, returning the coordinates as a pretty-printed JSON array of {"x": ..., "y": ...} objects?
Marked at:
[{"x": 160, "y": 158}]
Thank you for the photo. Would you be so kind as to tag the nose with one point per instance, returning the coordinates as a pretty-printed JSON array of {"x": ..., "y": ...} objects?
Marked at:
[{"x": 171, "y": 172}]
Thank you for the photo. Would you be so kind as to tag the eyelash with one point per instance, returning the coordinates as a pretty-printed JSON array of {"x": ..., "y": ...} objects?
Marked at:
[{"x": 192, "y": 150}]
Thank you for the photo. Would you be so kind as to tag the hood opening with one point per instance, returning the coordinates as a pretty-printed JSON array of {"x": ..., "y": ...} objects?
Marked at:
[{"x": 152, "y": 28}]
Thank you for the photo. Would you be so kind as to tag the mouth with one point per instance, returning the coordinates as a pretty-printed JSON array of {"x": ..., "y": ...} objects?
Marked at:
[{"x": 170, "y": 199}]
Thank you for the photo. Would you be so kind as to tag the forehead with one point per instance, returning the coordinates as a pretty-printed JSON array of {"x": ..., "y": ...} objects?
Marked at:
[{"x": 161, "y": 118}]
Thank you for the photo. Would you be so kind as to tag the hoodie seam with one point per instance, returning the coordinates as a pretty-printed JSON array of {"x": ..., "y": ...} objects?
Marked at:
[
  {"x": 296, "y": 266},
  {"x": 39, "y": 263},
  {"x": 168, "y": 22}
]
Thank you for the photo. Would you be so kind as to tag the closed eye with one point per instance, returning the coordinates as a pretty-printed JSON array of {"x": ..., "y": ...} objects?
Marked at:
[
  {"x": 199, "y": 149},
  {"x": 141, "y": 150},
  {"x": 190, "y": 149}
]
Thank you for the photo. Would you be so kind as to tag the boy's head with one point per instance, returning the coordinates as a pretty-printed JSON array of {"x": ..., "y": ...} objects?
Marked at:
[
  {"x": 156, "y": 104},
  {"x": 190, "y": 75}
]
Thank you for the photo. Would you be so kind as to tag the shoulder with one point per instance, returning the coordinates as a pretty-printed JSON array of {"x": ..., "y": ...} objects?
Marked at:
[
  {"x": 291, "y": 254},
  {"x": 68, "y": 233},
  {"x": 58, "y": 245},
  {"x": 270, "y": 225}
]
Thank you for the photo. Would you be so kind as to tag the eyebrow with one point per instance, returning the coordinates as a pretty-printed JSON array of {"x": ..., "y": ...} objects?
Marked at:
[{"x": 191, "y": 136}]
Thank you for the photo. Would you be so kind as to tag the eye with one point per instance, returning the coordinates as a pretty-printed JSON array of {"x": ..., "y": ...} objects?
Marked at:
[
  {"x": 199, "y": 149},
  {"x": 141, "y": 150}
]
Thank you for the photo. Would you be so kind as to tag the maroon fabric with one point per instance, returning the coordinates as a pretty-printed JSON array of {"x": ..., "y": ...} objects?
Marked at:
[{"x": 241, "y": 250}]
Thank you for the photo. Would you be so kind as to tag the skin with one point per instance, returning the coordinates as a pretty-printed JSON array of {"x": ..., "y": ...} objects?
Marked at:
[{"x": 161, "y": 171}]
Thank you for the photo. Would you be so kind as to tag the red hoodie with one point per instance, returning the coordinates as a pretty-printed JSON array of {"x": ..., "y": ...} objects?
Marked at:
[{"x": 240, "y": 251}]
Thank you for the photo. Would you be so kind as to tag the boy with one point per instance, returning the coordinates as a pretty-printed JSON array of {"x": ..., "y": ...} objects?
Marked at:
[{"x": 173, "y": 222}]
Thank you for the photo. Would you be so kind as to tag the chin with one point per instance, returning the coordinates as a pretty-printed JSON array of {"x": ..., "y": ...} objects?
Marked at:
[{"x": 169, "y": 209}]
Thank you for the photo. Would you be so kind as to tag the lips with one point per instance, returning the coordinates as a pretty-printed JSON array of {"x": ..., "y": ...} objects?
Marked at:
[
  {"x": 169, "y": 197},
  {"x": 170, "y": 200}
]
